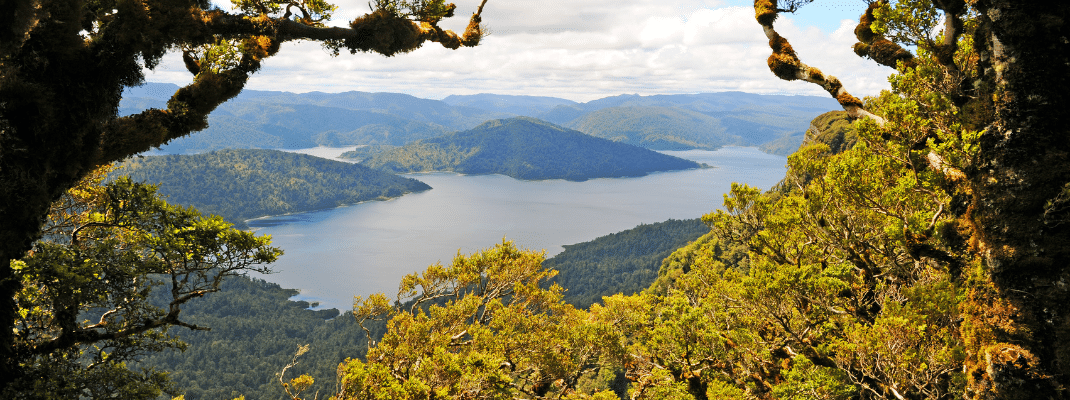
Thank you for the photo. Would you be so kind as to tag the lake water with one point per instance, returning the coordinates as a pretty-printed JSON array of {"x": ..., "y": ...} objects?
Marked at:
[{"x": 332, "y": 255}]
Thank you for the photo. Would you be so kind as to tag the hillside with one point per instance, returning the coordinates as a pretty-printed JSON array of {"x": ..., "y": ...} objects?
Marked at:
[
  {"x": 529, "y": 106},
  {"x": 624, "y": 262},
  {"x": 686, "y": 121},
  {"x": 526, "y": 148},
  {"x": 256, "y": 329},
  {"x": 282, "y": 120},
  {"x": 243, "y": 184},
  {"x": 657, "y": 128}
]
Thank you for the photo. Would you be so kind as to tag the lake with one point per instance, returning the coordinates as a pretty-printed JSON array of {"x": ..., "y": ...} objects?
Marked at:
[{"x": 332, "y": 255}]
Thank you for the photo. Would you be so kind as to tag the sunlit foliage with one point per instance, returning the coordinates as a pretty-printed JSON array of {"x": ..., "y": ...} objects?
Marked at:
[{"x": 83, "y": 307}]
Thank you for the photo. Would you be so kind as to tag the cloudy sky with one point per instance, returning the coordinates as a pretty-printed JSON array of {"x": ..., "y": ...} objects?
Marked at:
[{"x": 584, "y": 50}]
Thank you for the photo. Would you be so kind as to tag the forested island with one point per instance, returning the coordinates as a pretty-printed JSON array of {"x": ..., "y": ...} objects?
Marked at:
[
  {"x": 250, "y": 183},
  {"x": 526, "y": 148}
]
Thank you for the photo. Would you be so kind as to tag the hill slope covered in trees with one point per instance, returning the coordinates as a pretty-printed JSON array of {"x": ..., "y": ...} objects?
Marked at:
[
  {"x": 526, "y": 148},
  {"x": 244, "y": 184},
  {"x": 256, "y": 330},
  {"x": 624, "y": 262}
]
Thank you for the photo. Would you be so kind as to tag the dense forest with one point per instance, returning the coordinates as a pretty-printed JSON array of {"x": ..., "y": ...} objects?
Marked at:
[
  {"x": 916, "y": 249},
  {"x": 624, "y": 262},
  {"x": 257, "y": 327},
  {"x": 256, "y": 331},
  {"x": 364, "y": 152},
  {"x": 243, "y": 184},
  {"x": 526, "y": 148}
]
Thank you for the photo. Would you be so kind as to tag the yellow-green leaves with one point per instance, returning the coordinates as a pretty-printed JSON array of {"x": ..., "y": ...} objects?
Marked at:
[
  {"x": 84, "y": 302},
  {"x": 482, "y": 327},
  {"x": 308, "y": 12}
]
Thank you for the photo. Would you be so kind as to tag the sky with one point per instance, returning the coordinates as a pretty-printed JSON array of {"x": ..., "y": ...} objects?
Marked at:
[{"x": 584, "y": 50}]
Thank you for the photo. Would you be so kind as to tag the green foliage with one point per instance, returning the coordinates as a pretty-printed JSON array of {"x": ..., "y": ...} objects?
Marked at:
[
  {"x": 624, "y": 262},
  {"x": 308, "y": 12},
  {"x": 430, "y": 11},
  {"x": 364, "y": 152},
  {"x": 834, "y": 129},
  {"x": 256, "y": 328},
  {"x": 243, "y": 184},
  {"x": 785, "y": 145},
  {"x": 84, "y": 309},
  {"x": 526, "y": 148},
  {"x": 482, "y": 327}
]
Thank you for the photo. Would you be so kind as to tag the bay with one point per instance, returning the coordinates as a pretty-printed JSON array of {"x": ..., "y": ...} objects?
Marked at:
[{"x": 332, "y": 255}]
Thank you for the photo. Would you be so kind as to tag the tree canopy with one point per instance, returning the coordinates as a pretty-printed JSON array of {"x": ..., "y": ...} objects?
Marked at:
[
  {"x": 919, "y": 254},
  {"x": 84, "y": 300},
  {"x": 972, "y": 137},
  {"x": 64, "y": 64}
]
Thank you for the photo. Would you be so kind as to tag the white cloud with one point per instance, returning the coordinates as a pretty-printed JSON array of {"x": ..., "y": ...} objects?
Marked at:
[{"x": 578, "y": 49}]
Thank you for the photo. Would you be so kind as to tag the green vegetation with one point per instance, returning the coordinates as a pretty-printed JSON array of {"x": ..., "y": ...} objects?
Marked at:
[
  {"x": 530, "y": 106},
  {"x": 256, "y": 330},
  {"x": 84, "y": 300},
  {"x": 280, "y": 120},
  {"x": 657, "y": 128},
  {"x": 624, "y": 262},
  {"x": 364, "y": 152},
  {"x": 926, "y": 260},
  {"x": 833, "y": 128},
  {"x": 526, "y": 148},
  {"x": 785, "y": 145},
  {"x": 484, "y": 326},
  {"x": 65, "y": 64},
  {"x": 244, "y": 184},
  {"x": 704, "y": 121}
]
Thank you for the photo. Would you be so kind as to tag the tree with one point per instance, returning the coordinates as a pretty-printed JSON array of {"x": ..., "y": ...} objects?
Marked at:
[
  {"x": 481, "y": 328},
  {"x": 84, "y": 289},
  {"x": 980, "y": 103},
  {"x": 64, "y": 63}
]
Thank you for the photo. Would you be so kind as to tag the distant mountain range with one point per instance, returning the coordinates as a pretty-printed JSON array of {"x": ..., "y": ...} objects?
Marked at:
[
  {"x": 248, "y": 183},
  {"x": 283, "y": 120},
  {"x": 526, "y": 148}
]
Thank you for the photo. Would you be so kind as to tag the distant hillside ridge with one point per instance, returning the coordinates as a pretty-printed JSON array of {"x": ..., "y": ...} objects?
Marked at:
[
  {"x": 693, "y": 121},
  {"x": 283, "y": 120},
  {"x": 527, "y": 148},
  {"x": 527, "y": 106},
  {"x": 249, "y": 183}
]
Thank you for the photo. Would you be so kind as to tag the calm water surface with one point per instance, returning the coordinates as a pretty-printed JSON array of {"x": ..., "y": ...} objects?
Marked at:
[{"x": 332, "y": 255}]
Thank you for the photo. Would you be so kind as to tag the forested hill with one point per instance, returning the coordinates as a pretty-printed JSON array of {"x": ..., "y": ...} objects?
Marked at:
[
  {"x": 256, "y": 330},
  {"x": 527, "y": 148},
  {"x": 623, "y": 262},
  {"x": 244, "y": 184},
  {"x": 283, "y": 120}
]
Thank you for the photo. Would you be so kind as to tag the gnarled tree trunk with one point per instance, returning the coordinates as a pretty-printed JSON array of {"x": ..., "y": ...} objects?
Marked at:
[{"x": 1018, "y": 310}]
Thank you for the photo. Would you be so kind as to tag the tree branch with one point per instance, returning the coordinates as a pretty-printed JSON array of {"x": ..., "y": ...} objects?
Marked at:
[{"x": 785, "y": 64}]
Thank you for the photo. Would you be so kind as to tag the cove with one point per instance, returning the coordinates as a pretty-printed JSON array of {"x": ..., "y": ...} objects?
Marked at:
[{"x": 333, "y": 255}]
